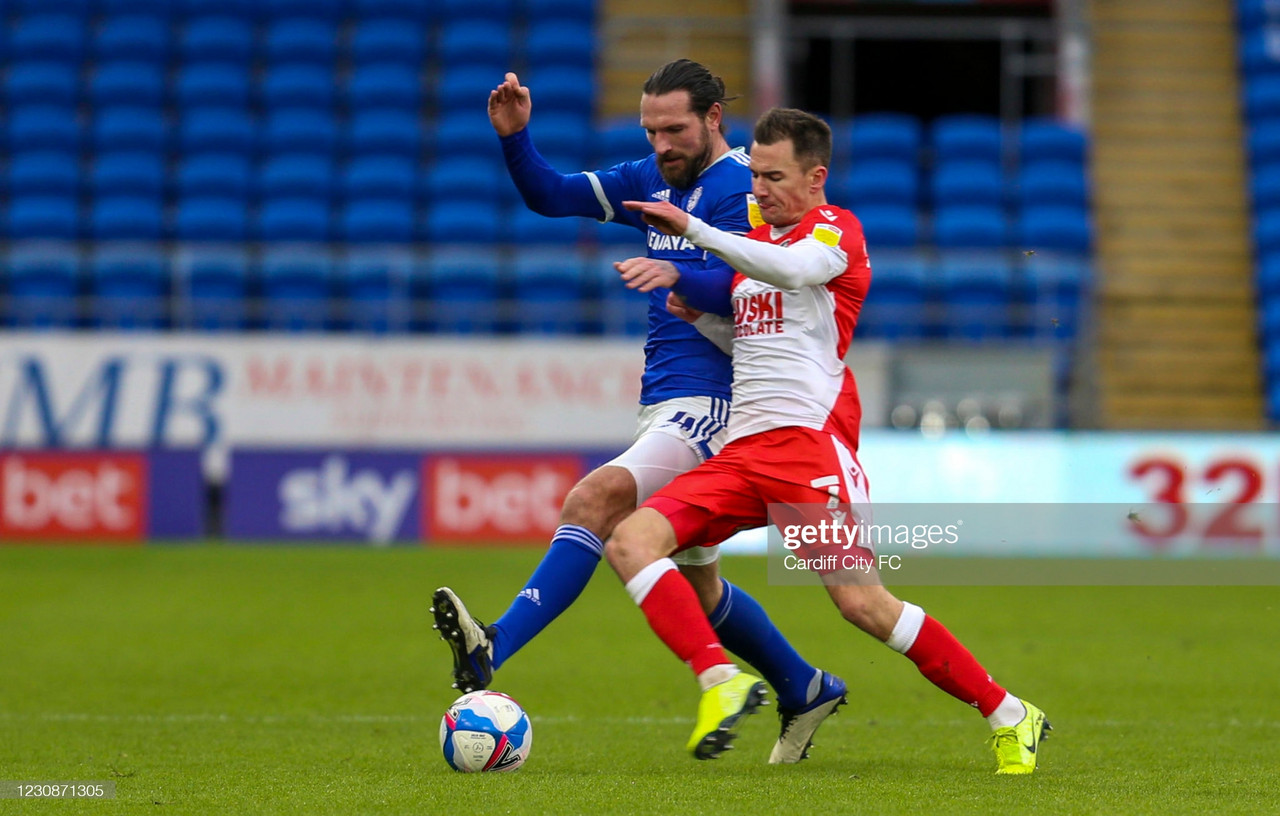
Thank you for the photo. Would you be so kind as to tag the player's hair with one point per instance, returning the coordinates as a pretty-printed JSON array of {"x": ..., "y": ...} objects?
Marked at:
[
  {"x": 809, "y": 135},
  {"x": 704, "y": 88}
]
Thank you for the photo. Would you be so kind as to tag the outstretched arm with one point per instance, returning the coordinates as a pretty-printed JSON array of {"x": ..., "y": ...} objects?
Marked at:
[{"x": 806, "y": 263}]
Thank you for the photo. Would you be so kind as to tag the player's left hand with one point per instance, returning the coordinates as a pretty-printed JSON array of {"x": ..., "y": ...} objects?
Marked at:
[
  {"x": 682, "y": 310},
  {"x": 647, "y": 274},
  {"x": 661, "y": 215}
]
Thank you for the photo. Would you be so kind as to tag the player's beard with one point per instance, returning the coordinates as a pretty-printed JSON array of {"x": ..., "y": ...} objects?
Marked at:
[{"x": 693, "y": 165}]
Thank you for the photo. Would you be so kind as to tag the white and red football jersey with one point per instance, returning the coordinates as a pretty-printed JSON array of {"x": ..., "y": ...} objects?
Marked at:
[{"x": 789, "y": 345}]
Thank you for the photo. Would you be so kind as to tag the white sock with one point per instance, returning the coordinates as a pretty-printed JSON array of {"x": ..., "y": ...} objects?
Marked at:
[
  {"x": 1008, "y": 714},
  {"x": 716, "y": 675},
  {"x": 904, "y": 633}
]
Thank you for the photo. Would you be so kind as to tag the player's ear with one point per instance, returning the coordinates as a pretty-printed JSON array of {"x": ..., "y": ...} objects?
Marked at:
[
  {"x": 818, "y": 177},
  {"x": 715, "y": 115}
]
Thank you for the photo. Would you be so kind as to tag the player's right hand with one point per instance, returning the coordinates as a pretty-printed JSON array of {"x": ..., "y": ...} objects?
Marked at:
[
  {"x": 510, "y": 106},
  {"x": 677, "y": 307}
]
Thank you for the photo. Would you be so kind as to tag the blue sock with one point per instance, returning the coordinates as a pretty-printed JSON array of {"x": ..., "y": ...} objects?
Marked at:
[
  {"x": 557, "y": 582},
  {"x": 745, "y": 629}
]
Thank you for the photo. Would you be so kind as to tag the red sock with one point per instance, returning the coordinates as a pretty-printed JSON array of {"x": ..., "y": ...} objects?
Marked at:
[
  {"x": 950, "y": 667},
  {"x": 677, "y": 618}
]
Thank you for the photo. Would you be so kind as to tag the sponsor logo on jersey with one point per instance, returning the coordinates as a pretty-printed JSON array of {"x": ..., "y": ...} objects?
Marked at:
[
  {"x": 662, "y": 195},
  {"x": 659, "y": 242},
  {"x": 828, "y": 234},
  {"x": 757, "y": 314},
  {"x": 694, "y": 198},
  {"x": 753, "y": 212}
]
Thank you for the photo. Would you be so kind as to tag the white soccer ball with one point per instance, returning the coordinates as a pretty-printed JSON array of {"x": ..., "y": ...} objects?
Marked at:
[{"x": 485, "y": 731}]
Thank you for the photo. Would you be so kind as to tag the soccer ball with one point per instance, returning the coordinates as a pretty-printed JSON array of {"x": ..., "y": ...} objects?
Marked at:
[{"x": 485, "y": 731}]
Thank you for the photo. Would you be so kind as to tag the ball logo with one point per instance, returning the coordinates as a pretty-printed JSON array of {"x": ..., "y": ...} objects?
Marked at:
[
  {"x": 498, "y": 498},
  {"x": 72, "y": 496}
]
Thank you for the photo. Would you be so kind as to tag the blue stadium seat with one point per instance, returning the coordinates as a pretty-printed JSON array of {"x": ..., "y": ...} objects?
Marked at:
[
  {"x": 218, "y": 130},
  {"x": 464, "y": 288},
  {"x": 300, "y": 130},
  {"x": 214, "y": 287},
  {"x": 214, "y": 175},
  {"x": 212, "y": 84},
  {"x": 43, "y": 216},
  {"x": 620, "y": 139},
  {"x": 43, "y": 172},
  {"x": 965, "y": 136},
  {"x": 563, "y": 138},
  {"x": 527, "y": 228},
  {"x": 1264, "y": 142},
  {"x": 43, "y": 127},
  {"x": 887, "y": 225},
  {"x": 551, "y": 43},
  {"x": 383, "y": 40},
  {"x": 133, "y": 173},
  {"x": 297, "y": 174},
  {"x": 248, "y": 9},
  {"x": 126, "y": 83},
  {"x": 54, "y": 37},
  {"x": 211, "y": 219},
  {"x": 129, "y": 287},
  {"x": 1266, "y": 231},
  {"x": 1259, "y": 53},
  {"x": 977, "y": 293},
  {"x": 1056, "y": 284},
  {"x": 464, "y": 222},
  {"x": 880, "y": 181},
  {"x": 1042, "y": 139},
  {"x": 159, "y": 8},
  {"x": 126, "y": 217},
  {"x": 1270, "y": 319},
  {"x": 41, "y": 83},
  {"x": 416, "y": 10},
  {"x": 322, "y": 9},
  {"x": 217, "y": 39},
  {"x": 375, "y": 285},
  {"x": 1269, "y": 275},
  {"x": 897, "y": 303},
  {"x": 73, "y": 7},
  {"x": 1055, "y": 228},
  {"x": 297, "y": 281},
  {"x": 614, "y": 234},
  {"x": 965, "y": 227},
  {"x": 466, "y": 135},
  {"x": 384, "y": 85},
  {"x": 397, "y": 132},
  {"x": 467, "y": 180},
  {"x": 1262, "y": 97},
  {"x": 583, "y": 10},
  {"x": 44, "y": 280},
  {"x": 378, "y": 220},
  {"x": 392, "y": 177},
  {"x": 480, "y": 43},
  {"x": 294, "y": 219},
  {"x": 886, "y": 136},
  {"x": 549, "y": 287},
  {"x": 967, "y": 183},
  {"x": 1253, "y": 13},
  {"x": 1054, "y": 182},
  {"x": 450, "y": 11},
  {"x": 623, "y": 311},
  {"x": 564, "y": 89},
  {"x": 301, "y": 41},
  {"x": 466, "y": 88},
  {"x": 298, "y": 85},
  {"x": 124, "y": 128},
  {"x": 137, "y": 38}
]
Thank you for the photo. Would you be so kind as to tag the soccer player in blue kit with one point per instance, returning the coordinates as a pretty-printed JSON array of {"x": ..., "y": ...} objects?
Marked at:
[{"x": 684, "y": 399}]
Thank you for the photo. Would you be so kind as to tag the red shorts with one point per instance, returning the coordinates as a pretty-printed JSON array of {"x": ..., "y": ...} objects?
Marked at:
[{"x": 732, "y": 491}]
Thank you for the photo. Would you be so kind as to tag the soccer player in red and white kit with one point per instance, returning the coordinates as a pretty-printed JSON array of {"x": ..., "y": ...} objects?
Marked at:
[{"x": 793, "y": 433}]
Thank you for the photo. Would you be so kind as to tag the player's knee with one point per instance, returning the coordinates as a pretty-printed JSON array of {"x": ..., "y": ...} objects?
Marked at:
[
  {"x": 626, "y": 547},
  {"x": 600, "y": 501},
  {"x": 857, "y": 608}
]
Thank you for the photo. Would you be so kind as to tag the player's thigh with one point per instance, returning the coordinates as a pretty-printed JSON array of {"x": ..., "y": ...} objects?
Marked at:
[{"x": 672, "y": 437}]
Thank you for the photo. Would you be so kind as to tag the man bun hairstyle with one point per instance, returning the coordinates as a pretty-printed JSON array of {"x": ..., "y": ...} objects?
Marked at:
[
  {"x": 809, "y": 135},
  {"x": 704, "y": 88}
]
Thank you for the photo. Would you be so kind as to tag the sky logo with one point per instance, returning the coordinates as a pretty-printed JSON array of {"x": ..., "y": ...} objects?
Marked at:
[{"x": 334, "y": 499}]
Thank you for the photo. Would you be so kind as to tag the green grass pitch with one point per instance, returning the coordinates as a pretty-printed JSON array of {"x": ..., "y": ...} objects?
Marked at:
[{"x": 215, "y": 679}]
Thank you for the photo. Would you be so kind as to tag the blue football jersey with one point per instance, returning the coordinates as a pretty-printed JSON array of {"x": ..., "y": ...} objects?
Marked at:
[{"x": 679, "y": 361}]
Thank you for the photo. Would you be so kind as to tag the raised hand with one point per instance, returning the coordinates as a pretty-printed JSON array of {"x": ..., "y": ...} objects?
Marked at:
[{"x": 510, "y": 106}]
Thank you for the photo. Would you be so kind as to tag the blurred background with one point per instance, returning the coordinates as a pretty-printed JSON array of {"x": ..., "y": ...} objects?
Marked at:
[{"x": 263, "y": 273}]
